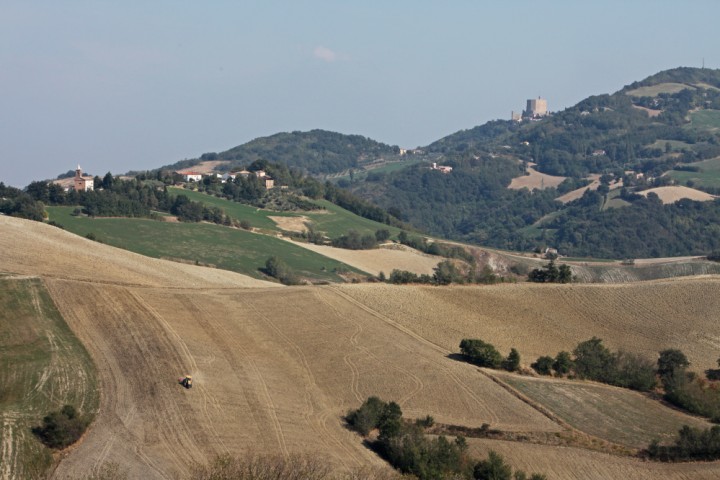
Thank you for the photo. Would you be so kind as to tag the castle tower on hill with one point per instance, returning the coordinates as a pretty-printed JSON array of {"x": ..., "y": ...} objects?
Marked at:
[
  {"x": 536, "y": 107},
  {"x": 81, "y": 183}
]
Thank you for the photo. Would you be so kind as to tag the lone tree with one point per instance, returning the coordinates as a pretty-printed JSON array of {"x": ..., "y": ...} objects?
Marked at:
[
  {"x": 671, "y": 362},
  {"x": 512, "y": 362},
  {"x": 593, "y": 360}
]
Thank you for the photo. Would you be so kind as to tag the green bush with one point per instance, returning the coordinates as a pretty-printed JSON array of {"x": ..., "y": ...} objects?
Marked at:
[
  {"x": 543, "y": 365},
  {"x": 276, "y": 267},
  {"x": 480, "y": 353},
  {"x": 563, "y": 363},
  {"x": 62, "y": 428},
  {"x": 512, "y": 362}
]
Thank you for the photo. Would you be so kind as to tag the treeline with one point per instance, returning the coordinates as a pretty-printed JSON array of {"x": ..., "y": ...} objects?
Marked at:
[
  {"x": 591, "y": 360},
  {"x": 691, "y": 444},
  {"x": 446, "y": 273},
  {"x": 406, "y": 447},
  {"x": 550, "y": 273},
  {"x": 16, "y": 203}
]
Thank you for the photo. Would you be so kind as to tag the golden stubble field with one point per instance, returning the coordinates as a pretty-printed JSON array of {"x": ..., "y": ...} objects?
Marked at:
[
  {"x": 643, "y": 317},
  {"x": 276, "y": 368}
]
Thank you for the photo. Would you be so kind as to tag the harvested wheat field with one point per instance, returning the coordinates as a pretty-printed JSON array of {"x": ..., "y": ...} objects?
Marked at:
[
  {"x": 291, "y": 224},
  {"x": 567, "y": 463},
  {"x": 275, "y": 373},
  {"x": 535, "y": 180},
  {"x": 380, "y": 259},
  {"x": 594, "y": 184},
  {"x": 673, "y": 194},
  {"x": 275, "y": 369},
  {"x": 207, "y": 167},
  {"x": 544, "y": 319}
]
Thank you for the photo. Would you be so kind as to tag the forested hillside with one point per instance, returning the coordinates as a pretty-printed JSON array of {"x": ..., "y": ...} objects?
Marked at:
[
  {"x": 659, "y": 132},
  {"x": 316, "y": 152}
]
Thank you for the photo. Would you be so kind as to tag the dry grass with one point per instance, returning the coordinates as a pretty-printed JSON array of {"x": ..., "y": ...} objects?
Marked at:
[
  {"x": 535, "y": 180},
  {"x": 673, "y": 194},
  {"x": 291, "y": 224},
  {"x": 595, "y": 183},
  {"x": 651, "y": 112},
  {"x": 380, "y": 259},
  {"x": 567, "y": 463},
  {"x": 205, "y": 168}
]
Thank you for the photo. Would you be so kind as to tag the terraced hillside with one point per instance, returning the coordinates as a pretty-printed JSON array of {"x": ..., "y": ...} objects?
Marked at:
[{"x": 276, "y": 368}]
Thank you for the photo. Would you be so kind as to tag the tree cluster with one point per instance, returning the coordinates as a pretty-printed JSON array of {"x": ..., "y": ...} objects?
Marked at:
[
  {"x": 277, "y": 268},
  {"x": 550, "y": 273},
  {"x": 406, "y": 447},
  {"x": 691, "y": 444},
  {"x": 61, "y": 428},
  {"x": 593, "y": 361},
  {"x": 686, "y": 389},
  {"x": 484, "y": 354}
]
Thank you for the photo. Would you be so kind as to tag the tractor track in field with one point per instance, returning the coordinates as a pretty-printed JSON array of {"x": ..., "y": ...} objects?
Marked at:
[{"x": 489, "y": 412}]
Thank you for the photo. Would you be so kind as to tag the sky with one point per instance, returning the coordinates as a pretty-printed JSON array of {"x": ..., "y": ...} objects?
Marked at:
[{"x": 134, "y": 85}]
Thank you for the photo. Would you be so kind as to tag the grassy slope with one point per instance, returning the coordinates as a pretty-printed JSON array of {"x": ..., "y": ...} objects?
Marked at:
[
  {"x": 615, "y": 414},
  {"x": 42, "y": 367},
  {"x": 705, "y": 120},
  {"x": 708, "y": 176},
  {"x": 334, "y": 220},
  {"x": 227, "y": 248}
]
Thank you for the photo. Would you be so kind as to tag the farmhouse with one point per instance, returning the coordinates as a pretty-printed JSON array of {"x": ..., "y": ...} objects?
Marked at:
[
  {"x": 82, "y": 183},
  {"x": 191, "y": 176},
  {"x": 441, "y": 168}
]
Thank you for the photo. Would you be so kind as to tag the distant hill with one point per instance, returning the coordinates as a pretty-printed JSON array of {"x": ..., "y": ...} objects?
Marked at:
[
  {"x": 318, "y": 152},
  {"x": 661, "y": 131},
  {"x": 654, "y": 133}
]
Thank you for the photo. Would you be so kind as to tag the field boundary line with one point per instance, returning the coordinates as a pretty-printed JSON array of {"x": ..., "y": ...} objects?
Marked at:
[{"x": 605, "y": 446}]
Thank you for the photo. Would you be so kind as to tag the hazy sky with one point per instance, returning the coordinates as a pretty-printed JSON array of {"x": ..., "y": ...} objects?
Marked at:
[{"x": 127, "y": 85}]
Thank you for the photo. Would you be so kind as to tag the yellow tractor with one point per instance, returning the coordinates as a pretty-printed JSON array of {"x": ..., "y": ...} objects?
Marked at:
[{"x": 185, "y": 381}]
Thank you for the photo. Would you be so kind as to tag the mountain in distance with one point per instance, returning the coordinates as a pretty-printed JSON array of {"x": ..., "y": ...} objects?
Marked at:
[{"x": 602, "y": 176}]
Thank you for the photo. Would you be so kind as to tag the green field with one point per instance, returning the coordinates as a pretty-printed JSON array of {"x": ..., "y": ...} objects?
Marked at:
[
  {"x": 708, "y": 120},
  {"x": 675, "y": 145},
  {"x": 708, "y": 176},
  {"x": 207, "y": 244},
  {"x": 388, "y": 167},
  {"x": 330, "y": 218},
  {"x": 43, "y": 366},
  {"x": 613, "y": 200},
  {"x": 655, "y": 90},
  {"x": 614, "y": 414}
]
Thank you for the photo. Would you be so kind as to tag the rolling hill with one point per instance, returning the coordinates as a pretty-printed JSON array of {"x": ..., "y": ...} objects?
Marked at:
[
  {"x": 276, "y": 368},
  {"x": 649, "y": 135},
  {"x": 317, "y": 152}
]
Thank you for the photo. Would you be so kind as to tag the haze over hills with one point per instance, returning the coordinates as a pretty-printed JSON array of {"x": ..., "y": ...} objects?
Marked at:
[{"x": 598, "y": 157}]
